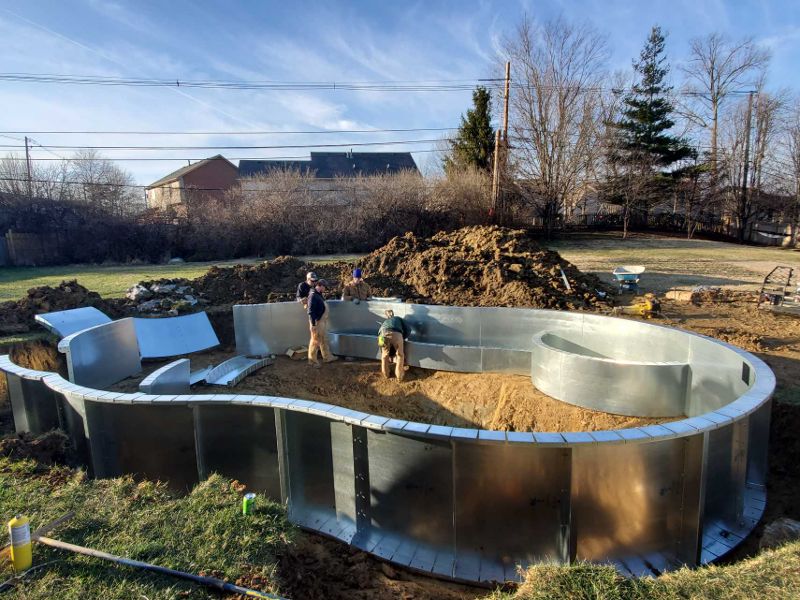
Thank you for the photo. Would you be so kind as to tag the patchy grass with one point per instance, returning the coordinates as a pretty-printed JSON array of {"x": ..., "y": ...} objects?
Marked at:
[
  {"x": 773, "y": 574},
  {"x": 202, "y": 532},
  {"x": 675, "y": 261}
]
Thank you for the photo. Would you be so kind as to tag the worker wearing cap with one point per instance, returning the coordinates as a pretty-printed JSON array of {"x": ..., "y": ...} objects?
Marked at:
[
  {"x": 304, "y": 288},
  {"x": 357, "y": 290},
  {"x": 318, "y": 325},
  {"x": 391, "y": 339}
]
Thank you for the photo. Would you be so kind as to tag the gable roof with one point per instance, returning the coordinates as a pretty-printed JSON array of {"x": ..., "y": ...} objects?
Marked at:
[
  {"x": 175, "y": 175},
  {"x": 328, "y": 165}
]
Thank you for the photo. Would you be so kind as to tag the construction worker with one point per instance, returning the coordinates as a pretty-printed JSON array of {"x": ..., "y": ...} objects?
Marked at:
[
  {"x": 357, "y": 290},
  {"x": 391, "y": 339},
  {"x": 318, "y": 325},
  {"x": 304, "y": 288}
]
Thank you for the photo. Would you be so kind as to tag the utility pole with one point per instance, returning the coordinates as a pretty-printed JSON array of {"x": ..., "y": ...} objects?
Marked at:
[
  {"x": 500, "y": 154},
  {"x": 496, "y": 175},
  {"x": 28, "y": 164},
  {"x": 744, "y": 209},
  {"x": 505, "y": 102}
]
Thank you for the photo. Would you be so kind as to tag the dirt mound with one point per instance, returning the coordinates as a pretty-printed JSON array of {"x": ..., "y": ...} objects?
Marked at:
[
  {"x": 480, "y": 266},
  {"x": 17, "y": 316},
  {"x": 48, "y": 448},
  {"x": 270, "y": 281}
]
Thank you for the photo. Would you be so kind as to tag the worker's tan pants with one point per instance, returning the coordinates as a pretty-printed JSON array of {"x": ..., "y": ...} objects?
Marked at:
[
  {"x": 319, "y": 340},
  {"x": 393, "y": 340}
]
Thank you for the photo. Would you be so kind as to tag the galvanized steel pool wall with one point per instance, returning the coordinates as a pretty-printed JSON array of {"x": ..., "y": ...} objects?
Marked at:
[{"x": 461, "y": 503}]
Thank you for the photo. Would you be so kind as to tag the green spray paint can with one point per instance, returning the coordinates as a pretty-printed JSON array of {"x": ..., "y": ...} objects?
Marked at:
[{"x": 248, "y": 502}]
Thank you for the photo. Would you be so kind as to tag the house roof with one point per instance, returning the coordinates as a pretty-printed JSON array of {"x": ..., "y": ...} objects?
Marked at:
[
  {"x": 328, "y": 165},
  {"x": 175, "y": 175}
]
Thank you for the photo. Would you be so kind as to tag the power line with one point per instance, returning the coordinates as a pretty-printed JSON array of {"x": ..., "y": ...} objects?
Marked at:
[
  {"x": 238, "y": 147},
  {"x": 232, "y": 133},
  {"x": 394, "y": 86},
  {"x": 183, "y": 159},
  {"x": 442, "y": 85}
]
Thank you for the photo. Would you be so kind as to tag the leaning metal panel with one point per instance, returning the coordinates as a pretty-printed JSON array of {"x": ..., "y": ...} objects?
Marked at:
[
  {"x": 65, "y": 322},
  {"x": 426, "y": 497},
  {"x": 102, "y": 355},
  {"x": 172, "y": 378},
  {"x": 172, "y": 336}
]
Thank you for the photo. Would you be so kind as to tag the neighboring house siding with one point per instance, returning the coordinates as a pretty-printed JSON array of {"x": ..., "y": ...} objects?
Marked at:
[
  {"x": 212, "y": 179},
  {"x": 165, "y": 195},
  {"x": 209, "y": 178}
]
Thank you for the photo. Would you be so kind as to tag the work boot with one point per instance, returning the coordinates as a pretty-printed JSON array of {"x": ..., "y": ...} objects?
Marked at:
[
  {"x": 330, "y": 359},
  {"x": 314, "y": 363}
]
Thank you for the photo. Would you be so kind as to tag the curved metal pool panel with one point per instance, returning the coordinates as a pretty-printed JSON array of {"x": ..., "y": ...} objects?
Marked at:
[
  {"x": 102, "y": 355},
  {"x": 637, "y": 388},
  {"x": 65, "y": 322},
  {"x": 172, "y": 378},
  {"x": 162, "y": 337},
  {"x": 461, "y": 503}
]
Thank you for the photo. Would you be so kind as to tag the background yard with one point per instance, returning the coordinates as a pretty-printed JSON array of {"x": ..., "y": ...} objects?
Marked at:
[{"x": 670, "y": 262}]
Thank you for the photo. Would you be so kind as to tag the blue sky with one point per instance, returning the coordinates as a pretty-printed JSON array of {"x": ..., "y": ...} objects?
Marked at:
[{"x": 310, "y": 41}]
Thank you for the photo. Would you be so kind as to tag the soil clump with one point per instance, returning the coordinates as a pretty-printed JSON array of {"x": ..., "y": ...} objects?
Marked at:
[{"x": 18, "y": 316}]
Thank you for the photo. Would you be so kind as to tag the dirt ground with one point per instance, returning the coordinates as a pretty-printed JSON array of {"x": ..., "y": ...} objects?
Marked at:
[{"x": 481, "y": 400}]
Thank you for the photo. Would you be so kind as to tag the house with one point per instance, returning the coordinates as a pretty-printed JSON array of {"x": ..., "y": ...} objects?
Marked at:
[
  {"x": 208, "y": 178},
  {"x": 332, "y": 165},
  {"x": 329, "y": 177}
]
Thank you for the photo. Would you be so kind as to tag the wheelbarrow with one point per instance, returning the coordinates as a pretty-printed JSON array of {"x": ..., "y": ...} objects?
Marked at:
[{"x": 628, "y": 277}]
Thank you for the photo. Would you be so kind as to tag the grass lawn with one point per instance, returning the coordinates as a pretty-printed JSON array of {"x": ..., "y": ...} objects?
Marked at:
[
  {"x": 113, "y": 281},
  {"x": 202, "y": 532}
]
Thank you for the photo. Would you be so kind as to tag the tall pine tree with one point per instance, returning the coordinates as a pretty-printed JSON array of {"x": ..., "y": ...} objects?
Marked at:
[
  {"x": 473, "y": 146},
  {"x": 643, "y": 149},
  {"x": 646, "y": 119}
]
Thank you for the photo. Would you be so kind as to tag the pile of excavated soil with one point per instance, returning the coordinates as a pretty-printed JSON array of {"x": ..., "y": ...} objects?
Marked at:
[
  {"x": 17, "y": 316},
  {"x": 269, "y": 281},
  {"x": 480, "y": 266},
  {"x": 481, "y": 400},
  {"x": 474, "y": 266}
]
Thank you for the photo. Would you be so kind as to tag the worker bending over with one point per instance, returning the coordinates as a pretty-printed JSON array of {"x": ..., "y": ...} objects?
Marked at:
[
  {"x": 318, "y": 325},
  {"x": 304, "y": 288},
  {"x": 391, "y": 338},
  {"x": 357, "y": 290}
]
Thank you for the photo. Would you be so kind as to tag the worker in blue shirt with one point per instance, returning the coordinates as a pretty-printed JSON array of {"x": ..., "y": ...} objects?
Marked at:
[
  {"x": 318, "y": 325},
  {"x": 391, "y": 339}
]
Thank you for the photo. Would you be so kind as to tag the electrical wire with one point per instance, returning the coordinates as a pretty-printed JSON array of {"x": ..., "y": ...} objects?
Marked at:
[{"x": 232, "y": 133}]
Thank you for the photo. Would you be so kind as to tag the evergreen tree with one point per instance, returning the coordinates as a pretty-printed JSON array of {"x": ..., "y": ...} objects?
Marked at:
[
  {"x": 474, "y": 143},
  {"x": 643, "y": 129},
  {"x": 642, "y": 148}
]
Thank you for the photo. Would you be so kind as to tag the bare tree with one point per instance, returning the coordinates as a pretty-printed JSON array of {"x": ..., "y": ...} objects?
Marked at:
[
  {"x": 793, "y": 150},
  {"x": 718, "y": 66},
  {"x": 557, "y": 69},
  {"x": 102, "y": 184}
]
